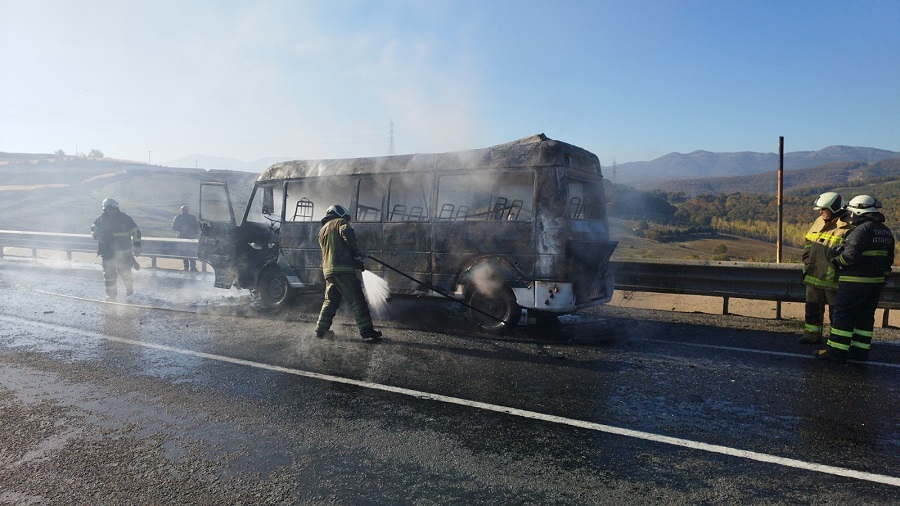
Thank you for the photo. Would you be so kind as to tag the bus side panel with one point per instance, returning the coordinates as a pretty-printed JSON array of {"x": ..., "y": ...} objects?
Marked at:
[
  {"x": 300, "y": 250},
  {"x": 370, "y": 239},
  {"x": 458, "y": 243},
  {"x": 407, "y": 247}
]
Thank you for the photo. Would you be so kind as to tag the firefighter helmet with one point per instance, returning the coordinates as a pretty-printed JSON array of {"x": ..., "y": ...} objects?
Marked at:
[
  {"x": 337, "y": 210},
  {"x": 829, "y": 200},
  {"x": 109, "y": 202},
  {"x": 862, "y": 204}
]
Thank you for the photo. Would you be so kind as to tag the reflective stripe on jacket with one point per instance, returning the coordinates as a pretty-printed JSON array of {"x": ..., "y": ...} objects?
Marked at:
[{"x": 822, "y": 237}]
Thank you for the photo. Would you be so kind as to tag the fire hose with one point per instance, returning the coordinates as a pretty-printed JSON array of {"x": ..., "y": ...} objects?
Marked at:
[{"x": 435, "y": 290}]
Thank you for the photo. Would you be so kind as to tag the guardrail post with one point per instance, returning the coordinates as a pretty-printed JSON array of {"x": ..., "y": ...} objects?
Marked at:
[
  {"x": 885, "y": 318},
  {"x": 33, "y": 252},
  {"x": 153, "y": 262},
  {"x": 69, "y": 256},
  {"x": 777, "y": 309},
  {"x": 725, "y": 305}
]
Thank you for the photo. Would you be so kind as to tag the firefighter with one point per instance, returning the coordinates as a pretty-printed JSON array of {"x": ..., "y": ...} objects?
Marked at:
[
  {"x": 118, "y": 239},
  {"x": 819, "y": 275},
  {"x": 863, "y": 261},
  {"x": 341, "y": 260}
]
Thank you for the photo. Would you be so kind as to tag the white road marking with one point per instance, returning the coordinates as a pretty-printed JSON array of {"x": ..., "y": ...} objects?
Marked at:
[
  {"x": 762, "y": 352},
  {"x": 609, "y": 429}
]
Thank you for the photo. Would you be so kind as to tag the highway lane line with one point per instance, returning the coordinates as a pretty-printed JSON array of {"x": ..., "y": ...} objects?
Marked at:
[
  {"x": 609, "y": 429},
  {"x": 762, "y": 352}
]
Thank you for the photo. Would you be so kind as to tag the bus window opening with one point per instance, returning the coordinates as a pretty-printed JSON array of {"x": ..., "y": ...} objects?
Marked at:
[
  {"x": 493, "y": 197},
  {"x": 585, "y": 201},
  {"x": 409, "y": 199},
  {"x": 308, "y": 199}
]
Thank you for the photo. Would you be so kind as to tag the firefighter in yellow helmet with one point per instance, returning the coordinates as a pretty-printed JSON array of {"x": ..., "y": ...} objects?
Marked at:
[
  {"x": 820, "y": 277},
  {"x": 863, "y": 261}
]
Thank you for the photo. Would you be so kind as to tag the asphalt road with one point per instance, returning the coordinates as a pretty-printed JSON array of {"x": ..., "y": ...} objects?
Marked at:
[{"x": 188, "y": 394}]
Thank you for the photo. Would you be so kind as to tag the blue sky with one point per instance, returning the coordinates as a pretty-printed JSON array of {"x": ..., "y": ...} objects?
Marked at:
[{"x": 629, "y": 80}]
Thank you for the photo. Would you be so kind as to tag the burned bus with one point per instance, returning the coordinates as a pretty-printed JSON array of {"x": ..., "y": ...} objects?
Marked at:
[{"x": 516, "y": 226}]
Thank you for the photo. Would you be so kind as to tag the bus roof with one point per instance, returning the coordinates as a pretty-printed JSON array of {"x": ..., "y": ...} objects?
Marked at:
[{"x": 535, "y": 151}]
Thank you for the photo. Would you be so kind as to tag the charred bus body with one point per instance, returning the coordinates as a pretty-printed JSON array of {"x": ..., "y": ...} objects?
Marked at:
[{"x": 518, "y": 225}]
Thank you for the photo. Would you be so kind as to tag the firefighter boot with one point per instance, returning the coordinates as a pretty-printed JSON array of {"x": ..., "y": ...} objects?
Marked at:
[
  {"x": 370, "y": 333},
  {"x": 811, "y": 338},
  {"x": 832, "y": 355},
  {"x": 858, "y": 354}
]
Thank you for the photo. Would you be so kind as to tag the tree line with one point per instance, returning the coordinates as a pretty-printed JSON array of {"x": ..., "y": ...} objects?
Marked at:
[{"x": 679, "y": 217}]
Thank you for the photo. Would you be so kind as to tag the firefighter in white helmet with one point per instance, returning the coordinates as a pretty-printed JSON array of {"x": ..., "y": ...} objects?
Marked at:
[
  {"x": 118, "y": 239},
  {"x": 819, "y": 275},
  {"x": 864, "y": 262},
  {"x": 341, "y": 261}
]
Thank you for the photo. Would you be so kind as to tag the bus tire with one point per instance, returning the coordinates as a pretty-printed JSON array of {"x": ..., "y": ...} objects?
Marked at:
[
  {"x": 500, "y": 303},
  {"x": 273, "y": 288}
]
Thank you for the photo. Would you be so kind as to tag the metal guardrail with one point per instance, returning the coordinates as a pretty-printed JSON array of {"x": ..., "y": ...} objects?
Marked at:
[
  {"x": 152, "y": 247},
  {"x": 740, "y": 280}
]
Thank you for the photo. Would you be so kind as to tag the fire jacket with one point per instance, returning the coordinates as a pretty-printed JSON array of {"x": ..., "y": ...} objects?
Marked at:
[
  {"x": 867, "y": 253},
  {"x": 115, "y": 232},
  {"x": 823, "y": 236},
  {"x": 338, "y": 242}
]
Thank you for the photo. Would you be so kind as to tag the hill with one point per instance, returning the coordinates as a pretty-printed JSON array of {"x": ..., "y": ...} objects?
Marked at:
[
  {"x": 256, "y": 166},
  {"x": 704, "y": 164},
  {"x": 63, "y": 194}
]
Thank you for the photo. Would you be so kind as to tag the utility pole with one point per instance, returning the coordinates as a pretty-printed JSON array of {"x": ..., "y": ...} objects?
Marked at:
[
  {"x": 778, "y": 244},
  {"x": 391, "y": 145}
]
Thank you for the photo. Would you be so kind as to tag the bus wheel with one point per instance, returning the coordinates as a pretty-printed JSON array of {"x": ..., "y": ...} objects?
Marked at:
[
  {"x": 499, "y": 304},
  {"x": 273, "y": 288}
]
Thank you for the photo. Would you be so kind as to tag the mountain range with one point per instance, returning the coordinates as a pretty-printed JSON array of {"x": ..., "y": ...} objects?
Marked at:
[
  {"x": 659, "y": 173},
  {"x": 813, "y": 180},
  {"x": 655, "y": 174}
]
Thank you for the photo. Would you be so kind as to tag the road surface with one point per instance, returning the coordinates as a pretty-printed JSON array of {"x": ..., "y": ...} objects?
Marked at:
[{"x": 188, "y": 394}]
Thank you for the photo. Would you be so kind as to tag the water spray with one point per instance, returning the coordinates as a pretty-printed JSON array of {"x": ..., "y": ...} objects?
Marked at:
[{"x": 435, "y": 290}]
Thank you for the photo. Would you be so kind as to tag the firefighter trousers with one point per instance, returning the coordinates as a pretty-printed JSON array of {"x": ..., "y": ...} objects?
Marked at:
[
  {"x": 337, "y": 288},
  {"x": 854, "y": 319},
  {"x": 119, "y": 264},
  {"x": 816, "y": 299}
]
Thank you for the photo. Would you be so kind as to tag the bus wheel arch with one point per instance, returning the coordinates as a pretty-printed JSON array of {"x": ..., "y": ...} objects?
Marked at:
[
  {"x": 487, "y": 290},
  {"x": 273, "y": 288}
]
